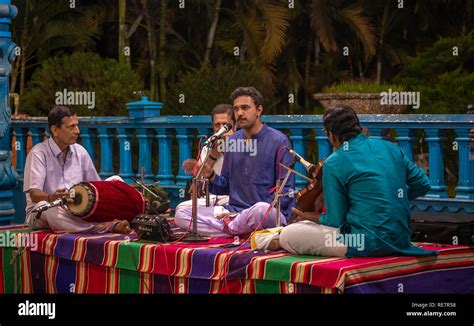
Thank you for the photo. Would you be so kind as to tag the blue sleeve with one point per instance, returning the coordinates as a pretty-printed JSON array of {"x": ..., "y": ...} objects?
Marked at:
[
  {"x": 417, "y": 181},
  {"x": 335, "y": 198},
  {"x": 220, "y": 186}
]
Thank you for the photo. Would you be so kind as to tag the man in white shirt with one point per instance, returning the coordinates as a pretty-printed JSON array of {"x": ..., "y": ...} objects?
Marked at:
[{"x": 221, "y": 115}]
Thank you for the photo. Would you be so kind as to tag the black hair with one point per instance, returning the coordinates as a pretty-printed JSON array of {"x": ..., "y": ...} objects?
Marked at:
[
  {"x": 342, "y": 121},
  {"x": 223, "y": 108},
  {"x": 248, "y": 91},
  {"x": 56, "y": 115}
]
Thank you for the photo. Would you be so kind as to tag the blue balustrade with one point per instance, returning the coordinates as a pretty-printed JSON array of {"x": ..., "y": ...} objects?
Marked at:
[
  {"x": 145, "y": 138},
  {"x": 185, "y": 138},
  {"x": 124, "y": 136},
  {"x": 88, "y": 141},
  {"x": 170, "y": 129},
  {"x": 105, "y": 139}
]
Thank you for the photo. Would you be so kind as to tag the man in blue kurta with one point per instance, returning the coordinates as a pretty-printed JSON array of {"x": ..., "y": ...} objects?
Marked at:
[
  {"x": 249, "y": 173},
  {"x": 367, "y": 185}
]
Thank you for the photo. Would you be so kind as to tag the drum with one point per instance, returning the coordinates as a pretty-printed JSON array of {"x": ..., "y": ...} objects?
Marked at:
[
  {"x": 104, "y": 201},
  {"x": 156, "y": 198}
]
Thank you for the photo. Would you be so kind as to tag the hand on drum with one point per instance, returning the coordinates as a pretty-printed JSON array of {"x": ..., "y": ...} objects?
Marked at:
[
  {"x": 60, "y": 193},
  {"x": 306, "y": 216}
]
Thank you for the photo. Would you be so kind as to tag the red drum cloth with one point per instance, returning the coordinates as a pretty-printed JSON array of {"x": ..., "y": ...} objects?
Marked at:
[{"x": 115, "y": 200}]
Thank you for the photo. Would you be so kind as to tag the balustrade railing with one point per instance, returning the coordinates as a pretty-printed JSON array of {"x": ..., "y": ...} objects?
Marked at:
[{"x": 159, "y": 145}]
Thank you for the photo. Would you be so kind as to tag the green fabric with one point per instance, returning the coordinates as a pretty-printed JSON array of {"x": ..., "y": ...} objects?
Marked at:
[
  {"x": 266, "y": 287},
  {"x": 9, "y": 270},
  {"x": 277, "y": 269},
  {"x": 367, "y": 186},
  {"x": 129, "y": 281}
]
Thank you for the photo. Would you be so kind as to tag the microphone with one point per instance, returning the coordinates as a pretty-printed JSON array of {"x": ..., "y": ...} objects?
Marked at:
[
  {"x": 58, "y": 202},
  {"x": 218, "y": 134},
  {"x": 308, "y": 166}
]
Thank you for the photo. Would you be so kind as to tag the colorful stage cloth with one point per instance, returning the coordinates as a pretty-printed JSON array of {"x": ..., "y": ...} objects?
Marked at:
[{"x": 114, "y": 263}]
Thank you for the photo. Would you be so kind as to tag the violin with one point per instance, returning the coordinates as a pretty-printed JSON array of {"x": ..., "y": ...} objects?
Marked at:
[{"x": 310, "y": 198}]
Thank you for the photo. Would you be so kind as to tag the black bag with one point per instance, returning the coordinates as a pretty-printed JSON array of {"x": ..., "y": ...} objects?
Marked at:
[
  {"x": 439, "y": 228},
  {"x": 152, "y": 227}
]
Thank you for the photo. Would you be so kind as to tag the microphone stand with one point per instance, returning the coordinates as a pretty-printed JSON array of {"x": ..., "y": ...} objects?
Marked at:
[
  {"x": 193, "y": 236},
  {"x": 280, "y": 186}
]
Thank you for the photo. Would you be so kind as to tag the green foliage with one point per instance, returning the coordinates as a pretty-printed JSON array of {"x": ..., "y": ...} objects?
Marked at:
[
  {"x": 113, "y": 84},
  {"x": 445, "y": 81},
  {"x": 202, "y": 90},
  {"x": 361, "y": 88}
]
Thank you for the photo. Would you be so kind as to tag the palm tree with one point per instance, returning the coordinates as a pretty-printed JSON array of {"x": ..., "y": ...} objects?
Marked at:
[
  {"x": 261, "y": 28},
  {"x": 334, "y": 24}
]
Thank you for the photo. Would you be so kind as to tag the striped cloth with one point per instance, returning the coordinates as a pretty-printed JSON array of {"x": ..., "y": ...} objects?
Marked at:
[{"x": 115, "y": 263}]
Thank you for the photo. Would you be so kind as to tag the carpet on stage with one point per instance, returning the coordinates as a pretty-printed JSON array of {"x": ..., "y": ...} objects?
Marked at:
[{"x": 115, "y": 263}]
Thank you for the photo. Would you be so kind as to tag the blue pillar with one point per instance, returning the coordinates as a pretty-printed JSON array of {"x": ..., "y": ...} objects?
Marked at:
[
  {"x": 324, "y": 146},
  {"x": 377, "y": 133},
  {"x": 88, "y": 140},
  {"x": 105, "y": 138},
  {"x": 8, "y": 176},
  {"x": 185, "y": 139},
  {"x": 297, "y": 140},
  {"x": 203, "y": 132},
  {"x": 125, "y": 144},
  {"x": 37, "y": 135},
  {"x": 20, "y": 146},
  {"x": 405, "y": 141},
  {"x": 435, "y": 141},
  {"x": 145, "y": 137},
  {"x": 164, "y": 149},
  {"x": 465, "y": 188}
]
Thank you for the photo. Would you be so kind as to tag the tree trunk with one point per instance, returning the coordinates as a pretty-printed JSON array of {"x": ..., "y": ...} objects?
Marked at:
[
  {"x": 161, "y": 58},
  {"x": 122, "y": 39},
  {"x": 212, "y": 32},
  {"x": 151, "y": 36},
  {"x": 22, "y": 77},
  {"x": 379, "y": 63},
  {"x": 307, "y": 71},
  {"x": 20, "y": 64},
  {"x": 317, "y": 51}
]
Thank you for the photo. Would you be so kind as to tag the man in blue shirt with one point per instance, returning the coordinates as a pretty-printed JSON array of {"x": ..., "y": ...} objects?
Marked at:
[
  {"x": 367, "y": 185},
  {"x": 249, "y": 173}
]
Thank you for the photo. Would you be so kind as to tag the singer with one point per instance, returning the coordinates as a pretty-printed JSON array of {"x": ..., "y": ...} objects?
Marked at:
[
  {"x": 54, "y": 166},
  {"x": 245, "y": 178},
  {"x": 367, "y": 185}
]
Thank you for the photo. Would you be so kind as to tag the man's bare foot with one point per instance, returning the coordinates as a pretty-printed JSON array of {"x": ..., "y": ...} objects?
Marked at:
[
  {"x": 123, "y": 227},
  {"x": 274, "y": 245}
]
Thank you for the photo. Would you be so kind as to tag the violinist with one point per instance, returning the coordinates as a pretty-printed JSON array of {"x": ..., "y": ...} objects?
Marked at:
[{"x": 367, "y": 186}]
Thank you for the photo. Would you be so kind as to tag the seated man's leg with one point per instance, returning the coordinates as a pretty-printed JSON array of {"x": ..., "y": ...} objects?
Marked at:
[
  {"x": 253, "y": 218},
  {"x": 59, "y": 219},
  {"x": 213, "y": 201},
  {"x": 33, "y": 222},
  {"x": 207, "y": 223},
  {"x": 308, "y": 238}
]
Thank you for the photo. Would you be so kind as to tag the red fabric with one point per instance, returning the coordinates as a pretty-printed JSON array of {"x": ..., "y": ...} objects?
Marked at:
[{"x": 115, "y": 200}]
